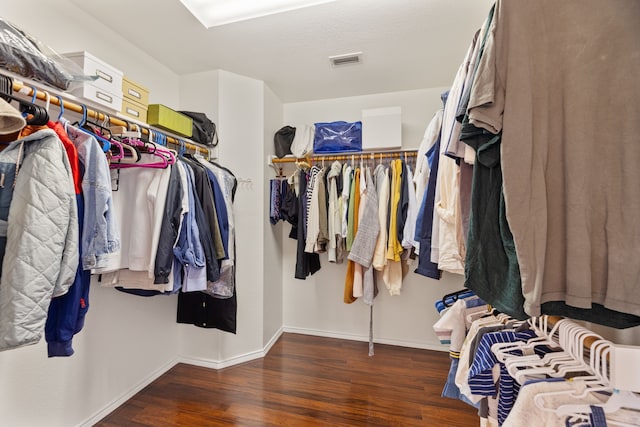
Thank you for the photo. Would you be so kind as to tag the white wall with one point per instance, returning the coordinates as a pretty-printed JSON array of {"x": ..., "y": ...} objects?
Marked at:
[
  {"x": 272, "y": 250},
  {"x": 237, "y": 105},
  {"x": 418, "y": 106},
  {"x": 65, "y": 28},
  {"x": 199, "y": 92},
  {"x": 315, "y": 305},
  {"x": 241, "y": 117},
  {"x": 127, "y": 340}
]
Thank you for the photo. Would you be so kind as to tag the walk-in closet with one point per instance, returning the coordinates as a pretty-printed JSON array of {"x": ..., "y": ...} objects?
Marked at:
[{"x": 338, "y": 212}]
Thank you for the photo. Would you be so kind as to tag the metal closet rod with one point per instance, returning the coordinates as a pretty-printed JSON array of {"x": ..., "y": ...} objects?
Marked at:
[
  {"x": 98, "y": 115},
  {"x": 353, "y": 156}
]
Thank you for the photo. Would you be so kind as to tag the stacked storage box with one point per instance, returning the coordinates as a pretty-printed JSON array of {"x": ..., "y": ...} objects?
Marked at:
[
  {"x": 106, "y": 89},
  {"x": 168, "y": 119},
  {"x": 135, "y": 100}
]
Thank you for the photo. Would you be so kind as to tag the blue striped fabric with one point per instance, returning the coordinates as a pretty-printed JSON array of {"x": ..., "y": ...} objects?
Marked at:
[
  {"x": 508, "y": 387},
  {"x": 480, "y": 377}
]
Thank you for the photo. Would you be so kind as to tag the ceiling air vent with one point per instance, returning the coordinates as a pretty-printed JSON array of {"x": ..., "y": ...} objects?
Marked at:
[{"x": 346, "y": 59}]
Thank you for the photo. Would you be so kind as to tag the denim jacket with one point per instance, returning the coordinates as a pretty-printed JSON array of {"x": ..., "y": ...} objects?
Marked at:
[
  {"x": 188, "y": 251},
  {"x": 101, "y": 234}
]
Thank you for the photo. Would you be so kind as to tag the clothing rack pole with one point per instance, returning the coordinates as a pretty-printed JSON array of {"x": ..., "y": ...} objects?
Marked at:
[
  {"x": 588, "y": 341},
  {"x": 364, "y": 155},
  {"x": 98, "y": 115}
]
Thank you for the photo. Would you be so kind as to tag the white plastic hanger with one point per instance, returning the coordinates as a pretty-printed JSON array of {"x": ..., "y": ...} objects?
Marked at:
[
  {"x": 561, "y": 367},
  {"x": 597, "y": 382},
  {"x": 503, "y": 351}
]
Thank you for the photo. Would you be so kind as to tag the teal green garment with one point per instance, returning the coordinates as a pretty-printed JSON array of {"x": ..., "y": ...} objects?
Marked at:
[{"x": 491, "y": 265}]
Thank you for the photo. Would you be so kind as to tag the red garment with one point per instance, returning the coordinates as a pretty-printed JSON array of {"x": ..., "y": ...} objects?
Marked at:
[{"x": 72, "y": 154}]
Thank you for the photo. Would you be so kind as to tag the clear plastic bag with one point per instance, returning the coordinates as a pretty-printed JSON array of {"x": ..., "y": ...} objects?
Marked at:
[{"x": 26, "y": 56}]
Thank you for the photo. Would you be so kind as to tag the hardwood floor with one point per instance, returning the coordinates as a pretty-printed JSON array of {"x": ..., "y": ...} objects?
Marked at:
[{"x": 304, "y": 381}]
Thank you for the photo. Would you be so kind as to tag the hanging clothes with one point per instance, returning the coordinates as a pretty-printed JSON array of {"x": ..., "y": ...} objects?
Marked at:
[
  {"x": 491, "y": 265},
  {"x": 354, "y": 273},
  {"x": 450, "y": 251},
  {"x": 323, "y": 230},
  {"x": 202, "y": 309},
  {"x": 275, "y": 199},
  {"x": 409, "y": 230},
  {"x": 313, "y": 210},
  {"x": 334, "y": 213},
  {"x": 426, "y": 219},
  {"x": 392, "y": 273},
  {"x": 423, "y": 165},
  {"x": 345, "y": 199},
  {"x": 382, "y": 189},
  {"x": 42, "y": 193},
  {"x": 66, "y": 313},
  {"x": 358, "y": 270},
  {"x": 306, "y": 263},
  {"x": 177, "y": 206},
  {"x": 226, "y": 183},
  {"x": 403, "y": 203},
  {"x": 368, "y": 226},
  {"x": 142, "y": 191},
  {"x": 189, "y": 260},
  {"x": 566, "y": 262},
  {"x": 209, "y": 220},
  {"x": 352, "y": 208},
  {"x": 365, "y": 241},
  {"x": 100, "y": 242}
]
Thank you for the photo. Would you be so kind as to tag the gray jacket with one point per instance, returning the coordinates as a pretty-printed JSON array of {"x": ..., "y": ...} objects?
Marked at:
[{"x": 41, "y": 256}]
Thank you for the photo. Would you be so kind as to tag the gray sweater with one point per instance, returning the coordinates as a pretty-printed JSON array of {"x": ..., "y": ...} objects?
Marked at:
[{"x": 364, "y": 243}]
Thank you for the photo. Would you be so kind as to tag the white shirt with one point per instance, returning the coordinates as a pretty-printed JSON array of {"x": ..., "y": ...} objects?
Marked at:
[
  {"x": 346, "y": 187},
  {"x": 409, "y": 231},
  {"x": 139, "y": 206}
]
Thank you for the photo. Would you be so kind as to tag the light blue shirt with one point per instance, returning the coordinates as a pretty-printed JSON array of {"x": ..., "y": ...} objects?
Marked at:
[{"x": 101, "y": 234}]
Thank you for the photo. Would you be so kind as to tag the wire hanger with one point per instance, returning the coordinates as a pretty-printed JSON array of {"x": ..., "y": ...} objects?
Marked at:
[
  {"x": 34, "y": 114},
  {"x": 83, "y": 122},
  {"x": 119, "y": 154}
]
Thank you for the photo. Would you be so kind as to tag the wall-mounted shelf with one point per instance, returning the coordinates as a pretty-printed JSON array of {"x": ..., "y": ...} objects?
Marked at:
[{"x": 73, "y": 103}]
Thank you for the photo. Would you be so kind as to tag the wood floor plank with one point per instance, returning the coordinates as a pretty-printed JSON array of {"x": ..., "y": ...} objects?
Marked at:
[{"x": 304, "y": 381}]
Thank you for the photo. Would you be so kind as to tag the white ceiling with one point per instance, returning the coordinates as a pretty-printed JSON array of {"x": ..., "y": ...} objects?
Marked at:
[{"x": 406, "y": 44}]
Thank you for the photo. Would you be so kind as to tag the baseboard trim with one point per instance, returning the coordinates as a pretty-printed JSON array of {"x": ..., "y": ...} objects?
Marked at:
[
  {"x": 236, "y": 360},
  {"x": 355, "y": 337},
  {"x": 220, "y": 364},
  {"x": 127, "y": 395},
  {"x": 273, "y": 340}
]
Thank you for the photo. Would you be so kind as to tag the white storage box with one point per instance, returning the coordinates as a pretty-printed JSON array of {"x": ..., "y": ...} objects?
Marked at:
[
  {"x": 107, "y": 88},
  {"x": 382, "y": 128},
  {"x": 100, "y": 96}
]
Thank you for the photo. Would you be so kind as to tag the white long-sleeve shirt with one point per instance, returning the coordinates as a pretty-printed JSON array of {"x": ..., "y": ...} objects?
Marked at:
[{"x": 139, "y": 206}]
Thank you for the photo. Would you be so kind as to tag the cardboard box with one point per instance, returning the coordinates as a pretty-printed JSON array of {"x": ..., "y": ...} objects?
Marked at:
[
  {"x": 382, "y": 128},
  {"x": 168, "y": 119},
  {"x": 135, "y": 92},
  {"x": 134, "y": 109}
]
